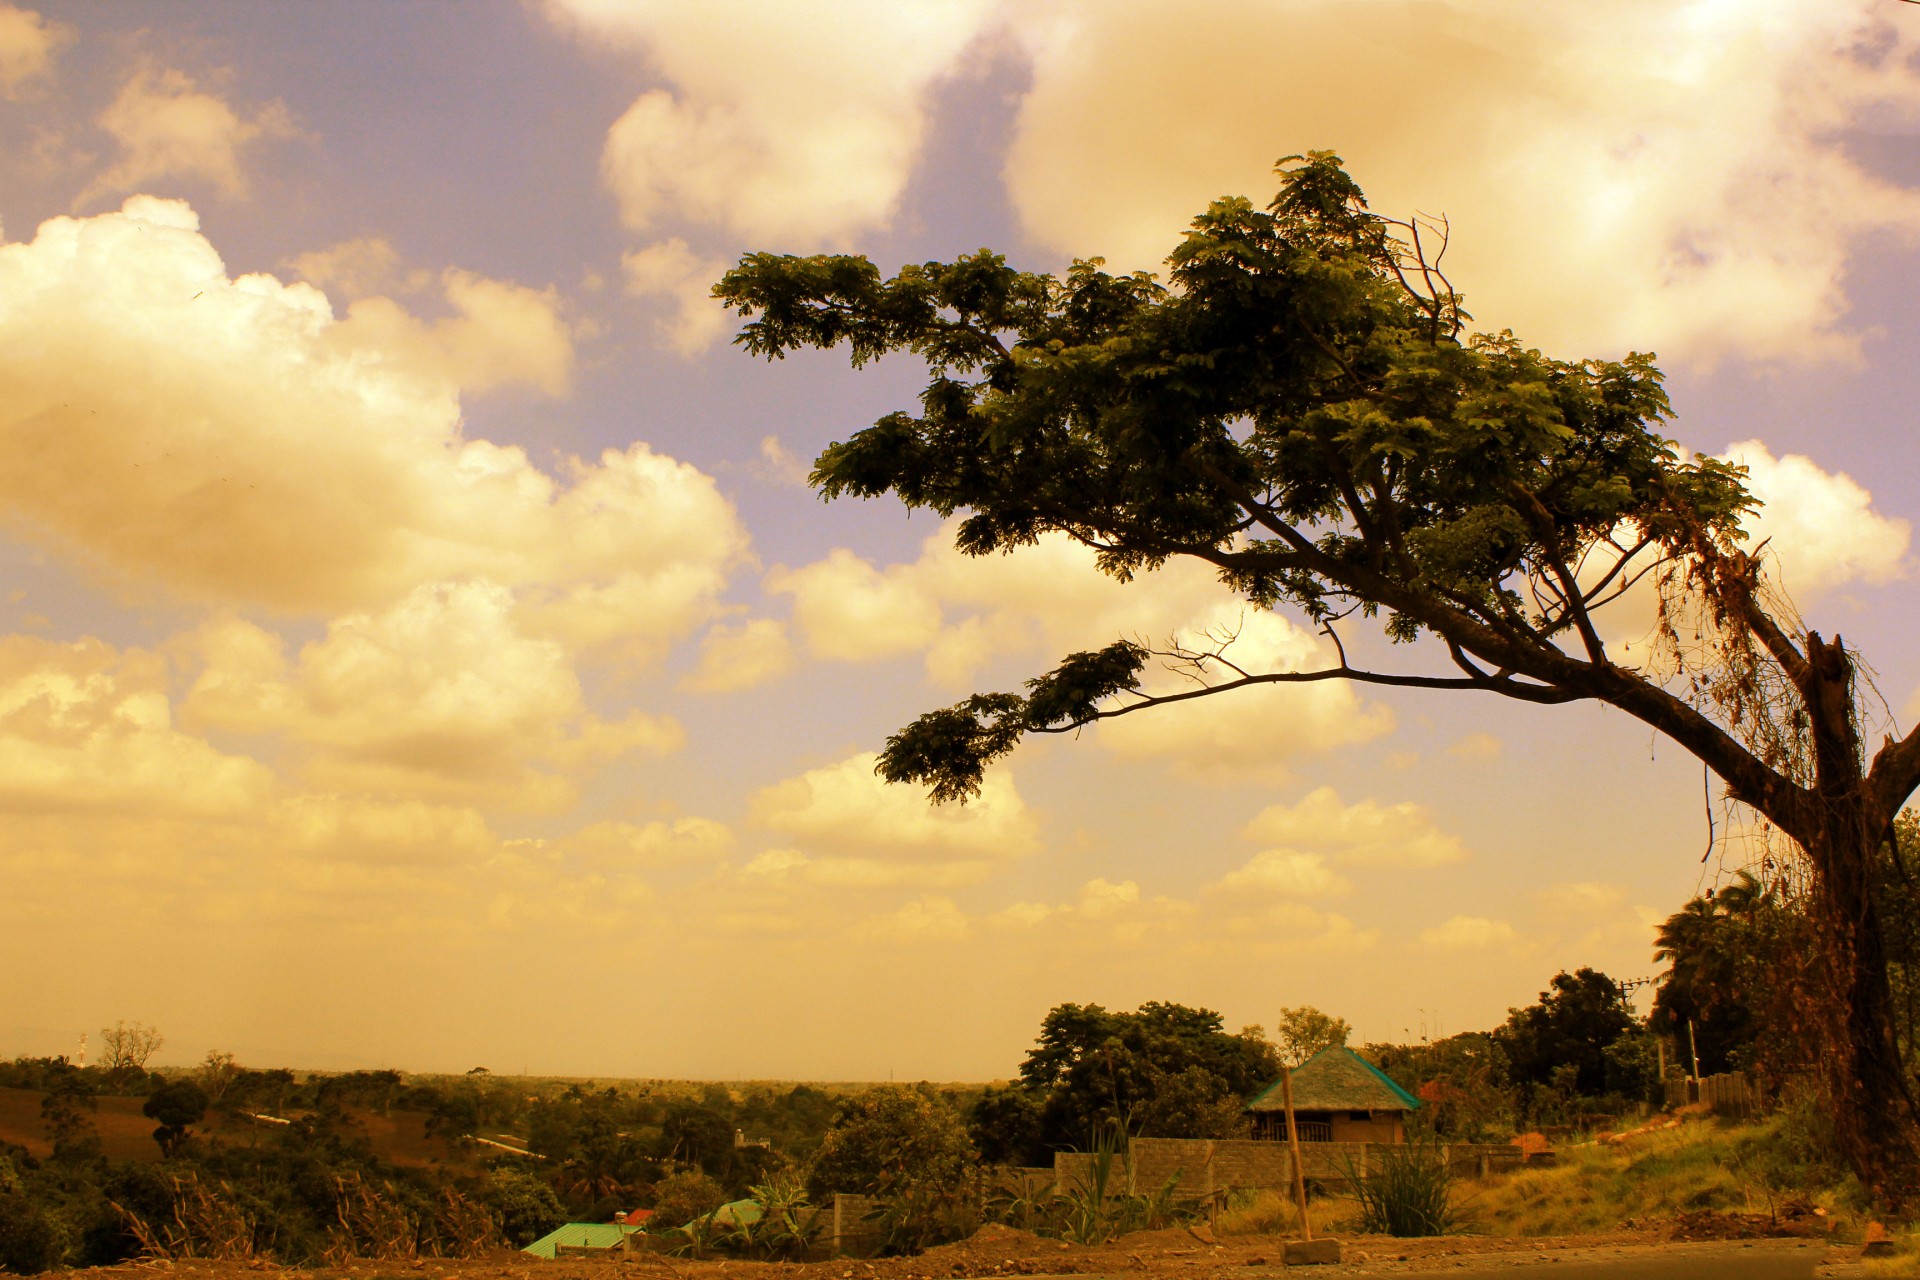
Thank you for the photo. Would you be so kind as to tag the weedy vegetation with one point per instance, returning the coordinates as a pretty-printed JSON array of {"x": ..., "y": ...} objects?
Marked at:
[{"x": 1407, "y": 1192}]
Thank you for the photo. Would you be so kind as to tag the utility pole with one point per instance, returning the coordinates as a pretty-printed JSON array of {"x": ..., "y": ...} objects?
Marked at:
[{"x": 1293, "y": 1140}]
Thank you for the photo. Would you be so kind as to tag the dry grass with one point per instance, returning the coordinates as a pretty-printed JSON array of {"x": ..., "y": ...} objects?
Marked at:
[
  {"x": 1701, "y": 1164},
  {"x": 1272, "y": 1213},
  {"x": 1259, "y": 1213},
  {"x": 1645, "y": 1180}
]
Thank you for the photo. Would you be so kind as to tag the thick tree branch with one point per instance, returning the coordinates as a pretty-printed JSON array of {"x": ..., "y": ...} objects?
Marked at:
[{"x": 1896, "y": 771}]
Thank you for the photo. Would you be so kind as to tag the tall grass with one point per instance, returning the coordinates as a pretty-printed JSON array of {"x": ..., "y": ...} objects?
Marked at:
[
  {"x": 1701, "y": 1164},
  {"x": 1409, "y": 1194},
  {"x": 1648, "y": 1179}
]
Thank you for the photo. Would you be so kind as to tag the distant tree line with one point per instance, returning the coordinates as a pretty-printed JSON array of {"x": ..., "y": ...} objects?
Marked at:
[{"x": 274, "y": 1164}]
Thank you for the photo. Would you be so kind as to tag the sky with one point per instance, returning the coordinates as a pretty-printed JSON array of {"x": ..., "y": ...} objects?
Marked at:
[{"x": 419, "y": 646}]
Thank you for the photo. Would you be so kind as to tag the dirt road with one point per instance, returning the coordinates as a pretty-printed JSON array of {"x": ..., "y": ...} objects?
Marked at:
[
  {"x": 998, "y": 1253},
  {"x": 1770, "y": 1261}
]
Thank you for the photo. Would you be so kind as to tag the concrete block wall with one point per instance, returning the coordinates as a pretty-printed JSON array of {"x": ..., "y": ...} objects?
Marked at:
[
  {"x": 1206, "y": 1166},
  {"x": 846, "y": 1229}
]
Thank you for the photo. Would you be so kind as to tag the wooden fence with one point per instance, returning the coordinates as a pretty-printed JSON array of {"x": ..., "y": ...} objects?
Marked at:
[{"x": 1729, "y": 1093}]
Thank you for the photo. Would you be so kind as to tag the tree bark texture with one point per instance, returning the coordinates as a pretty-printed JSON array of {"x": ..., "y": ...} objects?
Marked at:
[{"x": 1842, "y": 831}]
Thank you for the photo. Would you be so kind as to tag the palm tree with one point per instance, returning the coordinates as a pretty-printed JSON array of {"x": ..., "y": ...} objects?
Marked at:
[{"x": 1710, "y": 946}]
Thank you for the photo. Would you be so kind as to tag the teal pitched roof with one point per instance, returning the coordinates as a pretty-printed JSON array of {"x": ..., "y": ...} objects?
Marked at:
[
  {"x": 591, "y": 1235},
  {"x": 1337, "y": 1079}
]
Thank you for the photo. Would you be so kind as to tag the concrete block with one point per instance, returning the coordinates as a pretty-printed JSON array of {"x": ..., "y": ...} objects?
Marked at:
[{"x": 1311, "y": 1253}]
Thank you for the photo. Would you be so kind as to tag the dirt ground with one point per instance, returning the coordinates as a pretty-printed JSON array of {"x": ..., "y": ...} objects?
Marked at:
[
  {"x": 124, "y": 1132},
  {"x": 1175, "y": 1254}
]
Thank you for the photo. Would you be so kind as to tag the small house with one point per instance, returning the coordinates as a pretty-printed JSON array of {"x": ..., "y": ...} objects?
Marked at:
[{"x": 1338, "y": 1096}]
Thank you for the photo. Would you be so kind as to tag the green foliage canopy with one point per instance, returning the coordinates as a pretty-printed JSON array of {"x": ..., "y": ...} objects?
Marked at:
[
  {"x": 1463, "y": 1083},
  {"x": 177, "y": 1106},
  {"x": 1567, "y": 1032},
  {"x": 681, "y": 1197},
  {"x": 1305, "y": 1031},
  {"x": 890, "y": 1138},
  {"x": 1164, "y": 1070},
  {"x": 1298, "y": 407}
]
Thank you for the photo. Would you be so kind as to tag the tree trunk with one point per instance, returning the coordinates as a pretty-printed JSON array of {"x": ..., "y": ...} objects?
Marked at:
[
  {"x": 1873, "y": 1107},
  {"x": 1874, "y": 1121}
]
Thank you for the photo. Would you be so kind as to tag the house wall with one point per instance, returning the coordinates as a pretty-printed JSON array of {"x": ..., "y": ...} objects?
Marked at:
[{"x": 1379, "y": 1126}]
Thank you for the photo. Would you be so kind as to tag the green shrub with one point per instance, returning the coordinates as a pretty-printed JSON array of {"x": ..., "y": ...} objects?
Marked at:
[
  {"x": 891, "y": 1136},
  {"x": 916, "y": 1214},
  {"x": 788, "y": 1221},
  {"x": 1410, "y": 1194},
  {"x": 29, "y": 1240},
  {"x": 523, "y": 1206},
  {"x": 686, "y": 1195},
  {"x": 1094, "y": 1209}
]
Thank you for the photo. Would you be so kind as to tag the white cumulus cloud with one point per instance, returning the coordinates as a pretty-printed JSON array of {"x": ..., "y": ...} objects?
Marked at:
[
  {"x": 1820, "y": 526},
  {"x": 961, "y": 612},
  {"x": 1677, "y": 168},
  {"x": 670, "y": 271},
  {"x": 792, "y": 127},
  {"x": 168, "y": 128},
  {"x": 1285, "y": 871},
  {"x": 1468, "y": 933},
  {"x": 442, "y": 693},
  {"x": 744, "y": 655},
  {"x": 28, "y": 46},
  {"x": 253, "y": 449},
  {"x": 88, "y": 728},
  {"x": 1367, "y": 834},
  {"x": 850, "y": 828}
]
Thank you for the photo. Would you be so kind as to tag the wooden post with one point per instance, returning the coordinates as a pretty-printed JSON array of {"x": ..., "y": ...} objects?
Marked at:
[
  {"x": 1213, "y": 1197},
  {"x": 1293, "y": 1140}
]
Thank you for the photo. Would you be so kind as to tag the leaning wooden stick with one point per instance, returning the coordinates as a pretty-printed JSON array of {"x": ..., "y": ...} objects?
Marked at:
[{"x": 1293, "y": 1140}]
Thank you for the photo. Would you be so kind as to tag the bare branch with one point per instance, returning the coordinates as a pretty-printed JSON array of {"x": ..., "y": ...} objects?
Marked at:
[{"x": 1502, "y": 685}]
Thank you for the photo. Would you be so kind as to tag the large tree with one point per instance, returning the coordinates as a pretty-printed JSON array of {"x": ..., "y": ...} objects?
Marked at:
[
  {"x": 125, "y": 1047},
  {"x": 1302, "y": 407},
  {"x": 1305, "y": 1031},
  {"x": 1569, "y": 1029},
  {"x": 1164, "y": 1070}
]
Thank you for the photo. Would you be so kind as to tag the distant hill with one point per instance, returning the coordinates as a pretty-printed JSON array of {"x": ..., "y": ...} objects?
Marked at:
[{"x": 127, "y": 1135}]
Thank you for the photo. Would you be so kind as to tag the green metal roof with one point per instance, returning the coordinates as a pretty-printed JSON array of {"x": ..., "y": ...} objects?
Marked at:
[
  {"x": 1337, "y": 1079},
  {"x": 738, "y": 1213},
  {"x": 591, "y": 1235}
]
